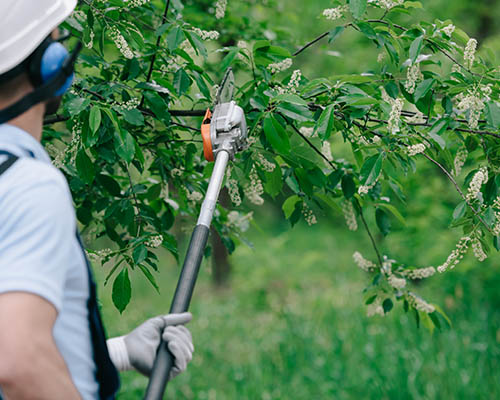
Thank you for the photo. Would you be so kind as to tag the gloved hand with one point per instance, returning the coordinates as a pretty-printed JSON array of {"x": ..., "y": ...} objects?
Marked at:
[{"x": 137, "y": 350}]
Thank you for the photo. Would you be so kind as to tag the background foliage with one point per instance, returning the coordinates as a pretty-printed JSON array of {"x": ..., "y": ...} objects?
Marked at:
[{"x": 135, "y": 168}]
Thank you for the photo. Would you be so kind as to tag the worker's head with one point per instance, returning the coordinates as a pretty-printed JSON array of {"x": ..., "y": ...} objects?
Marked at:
[{"x": 31, "y": 59}]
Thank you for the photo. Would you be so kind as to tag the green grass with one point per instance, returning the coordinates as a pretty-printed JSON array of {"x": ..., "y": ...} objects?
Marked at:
[{"x": 292, "y": 325}]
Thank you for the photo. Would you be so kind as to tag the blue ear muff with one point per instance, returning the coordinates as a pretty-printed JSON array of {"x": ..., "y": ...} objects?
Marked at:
[{"x": 51, "y": 63}]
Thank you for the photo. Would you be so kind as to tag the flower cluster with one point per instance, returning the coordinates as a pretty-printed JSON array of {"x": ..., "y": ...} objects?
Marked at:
[
  {"x": 395, "y": 282},
  {"x": 194, "y": 196},
  {"x": 375, "y": 308},
  {"x": 154, "y": 241},
  {"x": 280, "y": 66},
  {"x": 387, "y": 4},
  {"x": 254, "y": 189},
  {"x": 395, "y": 114},
  {"x": 120, "y": 42},
  {"x": 176, "y": 172},
  {"x": 456, "y": 255},
  {"x": 206, "y": 35},
  {"x": 136, "y": 3},
  {"x": 335, "y": 13},
  {"x": 220, "y": 9},
  {"x": 363, "y": 263},
  {"x": 99, "y": 256},
  {"x": 326, "y": 150},
  {"x": 308, "y": 215},
  {"x": 496, "y": 205},
  {"x": 349, "y": 215},
  {"x": 412, "y": 75},
  {"x": 238, "y": 221},
  {"x": 234, "y": 191},
  {"x": 419, "y": 273},
  {"x": 469, "y": 53},
  {"x": 306, "y": 131},
  {"x": 459, "y": 160},
  {"x": 293, "y": 84},
  {"x": 417, "y": 118},
  {"x": 420, "y": 304},
  {"x": 477, "y": 249},
  {"x": 90, "y": 43},
  {"x": 364, "y": 189},
  {"x": 479, "y": 178},
  {"x": 415, "y": 149},
  {"x": 448, "y": 30},
  {"x": 264, "y": 163},
  {"x": 131, "y": 104},
  {"x": 472, "y": 103}
]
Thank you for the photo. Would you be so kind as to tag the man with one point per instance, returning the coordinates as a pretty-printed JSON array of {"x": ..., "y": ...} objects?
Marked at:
[{"x": 52, "y": 343}]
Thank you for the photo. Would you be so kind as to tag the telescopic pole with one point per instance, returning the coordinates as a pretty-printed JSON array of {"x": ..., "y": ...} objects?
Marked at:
[{"x": 187, "y": 280}]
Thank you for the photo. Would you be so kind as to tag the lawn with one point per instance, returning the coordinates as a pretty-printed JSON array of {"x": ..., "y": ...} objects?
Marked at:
[{"x": 292, "y": 325}]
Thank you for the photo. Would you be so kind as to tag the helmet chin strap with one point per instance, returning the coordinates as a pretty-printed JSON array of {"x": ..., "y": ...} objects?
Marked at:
[{"x": 44, "y": 92}]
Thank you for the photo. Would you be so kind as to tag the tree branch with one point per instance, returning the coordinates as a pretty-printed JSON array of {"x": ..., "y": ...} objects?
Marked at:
[{"x": 374, "y": 244}]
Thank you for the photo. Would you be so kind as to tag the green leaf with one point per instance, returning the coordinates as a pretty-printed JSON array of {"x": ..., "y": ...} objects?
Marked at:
[
  {"x": 459, "y": 211},
  {"x": 133, "y": 116},
  {"x": 493, "y": 114},
  {"x": 85, "y": 167},
  {"x": 111, "y": 186},
  {"x": 367, "y": 29},
  {"x": 122, "y": 290},
  {"x": 335, "y": 33},
  {"x": 174, "y": 38},
  {"x": 437, "y": 129},
  {"x": 387, "y": 305},
  {"x": 394, "y": 211},
  {"x": 325, "y": 123},
  {"x": 383, "y": 221},
  {"x": 276, "y": 135},
  {"x": 371, "y": 169},
  {"x": 415, "y": 48},
  {"x": 357, "y": 7},
  {"x": 94, "y": 119},
  {"x": 274, "y": 182},
  {"x": 124, "y": 145},
  {"x": 140, "y": 253},
  {"x": 443, "y": 314},
  {"x": 182, "y": 82},
  {"x": 422, "y": 89},
  {"x": 348, "y": 186},
  {"x": 77, "y": 105},
  {"x": 295, "y": 111},
  {"x": 228, "y": 59},
  {"x": 149, "y": 276},
  {"x": 289, "y": 205}
]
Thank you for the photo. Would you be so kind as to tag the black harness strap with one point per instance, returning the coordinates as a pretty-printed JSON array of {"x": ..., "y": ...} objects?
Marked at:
[{"x": 106, "y": 373}]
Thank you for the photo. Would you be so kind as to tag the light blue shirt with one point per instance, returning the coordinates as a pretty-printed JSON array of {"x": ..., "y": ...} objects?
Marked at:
[{"x": 39, "y": 251}]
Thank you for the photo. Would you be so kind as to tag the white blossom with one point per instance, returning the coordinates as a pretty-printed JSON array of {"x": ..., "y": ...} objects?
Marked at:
[
  {"x": 349, "y": 215},
  {"x": 479, "y": 178},
  {"x": 220, "y": 9},
  {"x": 412, "y": 75},
  {"x": 280, "y": 66},
  {"x": 459, "y": 160},
  {"x": 136, "y": 3},
  {"x": 364, "y": 189},
  {"x": 233, "y": 189},
  {"x": 154, "y": 241},
  {"x": 387, "y": 4},
  {"x": 335, "y": 13},
  {"x": 456, "y": 255},
  {"x": 120, "y": 42},
  {"x": 264, "y": 163},
  {"x": 420, "y": 304},
  {"x": 239, "y": 221},
  {"x": 415, "y": 149},
  {"x": 194, "y": 196},
  {"x": 395, "y": 282},
  {"x": 448, "y": 30},
  {"x": 363, "y": 263},
  {"x": 254, "y": 189},
  {"x": 306, "y": 131},
  {"x": 417, "y": 118},
  {"x": 326, "y": 150},
  {"x": 176, "y": 172},
  {"x": 477, "y": 249},
  {"x": 381, "y": 57},
  {"x": 308, "y": 215},
  {"x": 469, "y": 53},
  {"x": 496, "y": 205},
  {"x": 395, "y": 114},
  {"x": 206, "y": 35},
  {"x": 419, "y": 273},
  {"x": 473, "y": 104},
  {"x": 375, "y": 308}
]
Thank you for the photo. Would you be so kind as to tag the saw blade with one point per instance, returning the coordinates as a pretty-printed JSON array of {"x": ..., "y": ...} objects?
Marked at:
[{"x": 226, "y": 89}]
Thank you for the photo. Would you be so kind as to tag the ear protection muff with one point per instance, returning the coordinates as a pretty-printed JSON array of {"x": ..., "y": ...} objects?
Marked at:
[{"x": 46, "y": 62}]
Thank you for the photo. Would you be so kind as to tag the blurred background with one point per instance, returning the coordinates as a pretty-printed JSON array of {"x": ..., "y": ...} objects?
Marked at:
[{"x": 283, "y": 316}]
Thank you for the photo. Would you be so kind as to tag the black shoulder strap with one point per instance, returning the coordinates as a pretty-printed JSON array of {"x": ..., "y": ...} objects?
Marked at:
[{"x": 11, "y": 159}]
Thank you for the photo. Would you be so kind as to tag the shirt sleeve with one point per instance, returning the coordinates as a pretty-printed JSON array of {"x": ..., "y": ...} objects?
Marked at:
[{"x": 37, "y": 225}]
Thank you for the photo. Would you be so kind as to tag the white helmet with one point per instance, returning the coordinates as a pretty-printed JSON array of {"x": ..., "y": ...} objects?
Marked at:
[{"x": 24, "y": 24}]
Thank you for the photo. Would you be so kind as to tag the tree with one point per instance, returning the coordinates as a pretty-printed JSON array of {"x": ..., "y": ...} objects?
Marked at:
[{"x": 134, "y": 160}]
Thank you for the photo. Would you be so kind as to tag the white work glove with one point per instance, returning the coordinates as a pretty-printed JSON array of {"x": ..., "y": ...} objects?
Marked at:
[{"x": 137, "y": 350}]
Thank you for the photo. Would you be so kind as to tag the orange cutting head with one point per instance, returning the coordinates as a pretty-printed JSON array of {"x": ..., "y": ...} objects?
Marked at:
[{"x": 205, "y": 134}]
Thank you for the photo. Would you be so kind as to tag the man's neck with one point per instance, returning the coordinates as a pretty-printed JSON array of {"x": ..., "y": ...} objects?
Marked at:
[{"x": 31, "y": 121}]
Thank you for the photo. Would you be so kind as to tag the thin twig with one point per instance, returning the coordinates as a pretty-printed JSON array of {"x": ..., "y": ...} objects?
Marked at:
[
  {"x": 138, "y": 217},
  {"x": 310, "y": 43},
  {"x": 374, "y": 244}
]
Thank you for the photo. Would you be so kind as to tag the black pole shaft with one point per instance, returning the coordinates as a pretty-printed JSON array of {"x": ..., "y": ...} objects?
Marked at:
[{"x": 182, "y": 298}]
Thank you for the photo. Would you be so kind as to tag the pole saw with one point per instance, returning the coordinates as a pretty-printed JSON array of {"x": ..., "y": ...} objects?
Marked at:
[{"x": 224, "y": 134}]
